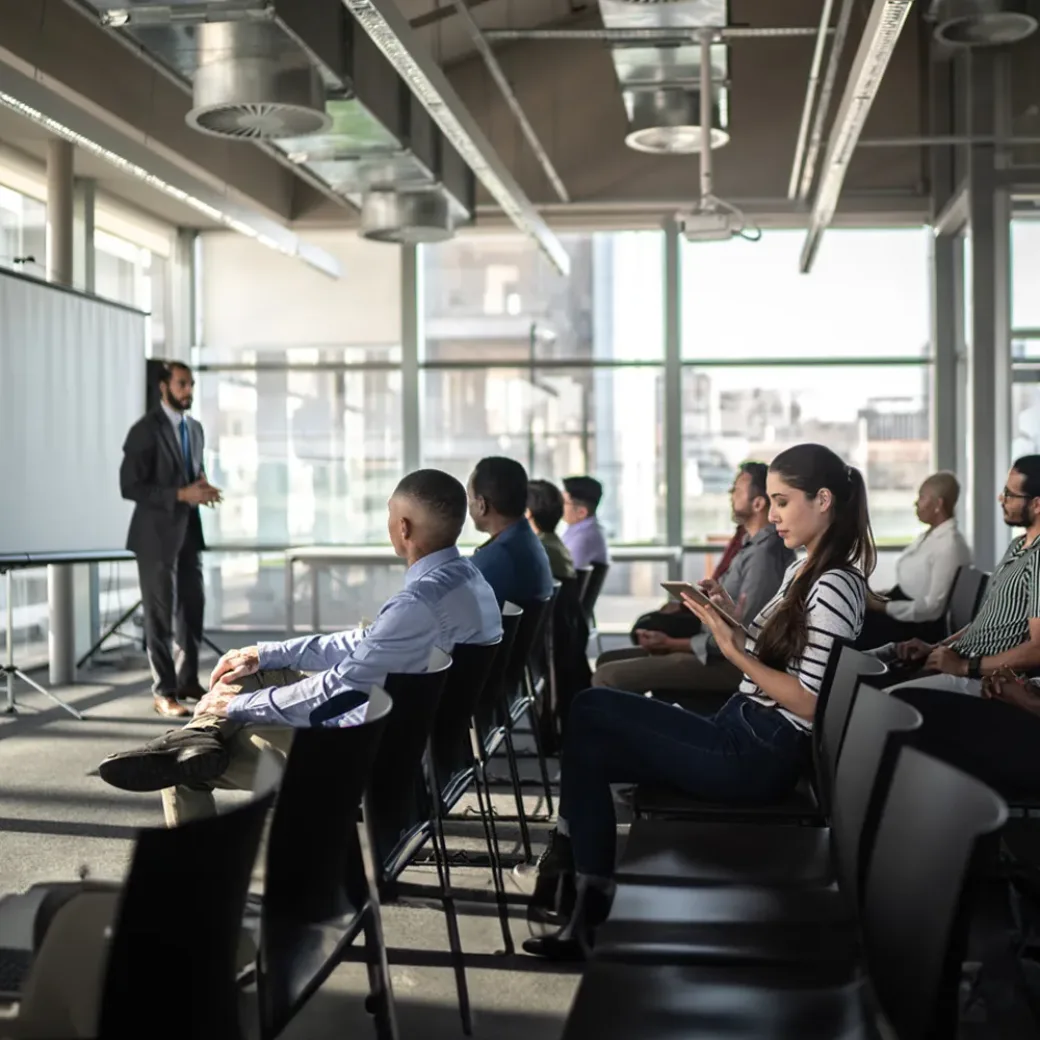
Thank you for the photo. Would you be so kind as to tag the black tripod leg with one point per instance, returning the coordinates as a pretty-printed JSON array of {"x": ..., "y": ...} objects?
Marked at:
[{"x": 109, "y": 632}]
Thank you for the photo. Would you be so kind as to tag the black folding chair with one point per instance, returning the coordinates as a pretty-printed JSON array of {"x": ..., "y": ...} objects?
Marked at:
[
  {"x": 517, "y": 699},
  {"x": 784, "y": 921},
  {"x": 456, "y": 756},
  {"x": 590, "y": 596},
  {"x": 808, "y": 803},
  {"x": 317, "y": 896},
  {"x": 966, "y": 595},
  {"x": 76, "y": 959},
  {"x": 401, "y": 804},
  {"x": 913, "y": 938}
]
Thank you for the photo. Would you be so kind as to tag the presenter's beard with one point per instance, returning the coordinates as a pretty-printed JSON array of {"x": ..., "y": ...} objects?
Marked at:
[{"x": 180, "y": 406}]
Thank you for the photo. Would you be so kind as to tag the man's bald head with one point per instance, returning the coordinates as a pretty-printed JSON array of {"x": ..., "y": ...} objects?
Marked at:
[
  {"x": 937, "y": 499},
  {"x": 427, "y": 511}
]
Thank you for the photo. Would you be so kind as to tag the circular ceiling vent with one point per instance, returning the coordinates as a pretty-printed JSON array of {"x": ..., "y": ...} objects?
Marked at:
[
  {"x": 259, "y": 121},
  {"x": 983, "y": 23},
  {"x": 249, "y": 87},
  {"x": 667, "y": 122},
  {"x": 409, "y": 218}
]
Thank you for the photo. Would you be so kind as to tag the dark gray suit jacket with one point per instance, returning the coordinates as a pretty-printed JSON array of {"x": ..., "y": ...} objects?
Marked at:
[{"x": 151, "y": 473}]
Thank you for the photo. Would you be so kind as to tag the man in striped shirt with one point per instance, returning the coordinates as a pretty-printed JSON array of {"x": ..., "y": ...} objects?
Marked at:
[{"x": 1006, "y": 631}]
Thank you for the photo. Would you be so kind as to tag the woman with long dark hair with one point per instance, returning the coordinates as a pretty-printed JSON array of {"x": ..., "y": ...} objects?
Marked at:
[{"x": 756, "y": 748}]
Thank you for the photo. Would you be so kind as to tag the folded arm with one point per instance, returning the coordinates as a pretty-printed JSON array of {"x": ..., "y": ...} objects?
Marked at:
[
  {"x": 400, "y": 640},
  {"x": 310, "y": 653}
]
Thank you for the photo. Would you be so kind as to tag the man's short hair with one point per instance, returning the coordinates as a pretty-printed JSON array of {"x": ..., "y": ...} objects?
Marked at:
[
  {"x": 545, "y": 502},
  {"x": 757, "y": 471},
  {"x": 584, "y": 491},
  {"x": 946, "y": 486},
  {"x": 502, "y": 483},
  {"x": 1029, "y": 467},
  {"x": 441, "y": 495},
  {"x": 169, "y": 367}
]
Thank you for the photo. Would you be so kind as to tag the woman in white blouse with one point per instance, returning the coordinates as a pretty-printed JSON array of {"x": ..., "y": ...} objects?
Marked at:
[{"x": 924, "y": 572}]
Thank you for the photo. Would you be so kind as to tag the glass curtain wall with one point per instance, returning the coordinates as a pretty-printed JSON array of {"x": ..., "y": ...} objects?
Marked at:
[
  {"x": 1025, "y": 335},
  {"x": 772, "y": 358}
]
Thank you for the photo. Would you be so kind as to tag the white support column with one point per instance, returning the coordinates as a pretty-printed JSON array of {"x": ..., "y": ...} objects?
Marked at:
[{"x": 60, "y": 220}]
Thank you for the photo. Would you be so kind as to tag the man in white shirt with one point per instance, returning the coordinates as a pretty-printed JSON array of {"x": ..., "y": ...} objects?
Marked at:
[{"x": 925, "y": 572}]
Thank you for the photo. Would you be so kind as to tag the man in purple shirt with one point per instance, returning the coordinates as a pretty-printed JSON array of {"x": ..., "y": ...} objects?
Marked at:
[{"x": 583, "y": 537}]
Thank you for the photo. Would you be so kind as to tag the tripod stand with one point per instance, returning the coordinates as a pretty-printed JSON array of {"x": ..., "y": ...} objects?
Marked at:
[{"x": 12, "y": 672}]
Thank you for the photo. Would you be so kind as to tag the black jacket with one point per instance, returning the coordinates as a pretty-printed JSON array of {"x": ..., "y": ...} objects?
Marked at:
[{"x": 151, "y": 473}]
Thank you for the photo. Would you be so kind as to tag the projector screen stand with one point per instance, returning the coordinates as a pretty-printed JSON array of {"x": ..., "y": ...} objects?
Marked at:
[
  {"x": 12, "y": 672},
  {"x": 114, "y": 630}
]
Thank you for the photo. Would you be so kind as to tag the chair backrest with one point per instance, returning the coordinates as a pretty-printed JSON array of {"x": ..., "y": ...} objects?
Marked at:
[
  {"x": 397, "y": 800},
  {"x": 845, "y": 668},
  {"x": 582, "y": 576},
  {"x": 878, "y": 726},
  {"x": 490, "y": 700},
  {"x": 969, "y": 587},
  {"x": 530, "y": 639},
  {"x": 315, "y": 882},
  {"x": 214, "y": 857},
  {"x": 452, "y": 752},
  {"x": 593, "y": 587},
  {"x": 936, "y": 821}
]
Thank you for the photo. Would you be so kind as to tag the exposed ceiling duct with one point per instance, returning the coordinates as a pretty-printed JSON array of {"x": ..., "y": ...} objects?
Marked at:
[
  {"x": 301, "y": 77},
  {"x": 983, "y": 23},
  {"x": 880, "y": 35},
  {"x": 661, "y": 82},
  {"x": 406, "y": 218}
]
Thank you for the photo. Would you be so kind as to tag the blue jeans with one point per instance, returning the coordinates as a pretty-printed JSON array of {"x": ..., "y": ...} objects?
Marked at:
[{"x": 746, "y": 752}]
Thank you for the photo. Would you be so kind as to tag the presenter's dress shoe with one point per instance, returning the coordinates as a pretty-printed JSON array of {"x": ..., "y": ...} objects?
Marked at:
[
  {"x": 191, "y": 693},
  {"x": 193, "y": 755},
  {"x": 170, "y": 708}
]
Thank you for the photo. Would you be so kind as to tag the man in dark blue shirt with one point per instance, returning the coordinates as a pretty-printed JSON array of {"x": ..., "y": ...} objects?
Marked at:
[{"x": 512, "y": 561}]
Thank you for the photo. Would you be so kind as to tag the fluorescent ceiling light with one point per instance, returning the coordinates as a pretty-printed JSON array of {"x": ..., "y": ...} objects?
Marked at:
[
  {"x": 141, "y": 174},
  {"x": 394, "y": 37},
  {"x": 880, "y": 35}
]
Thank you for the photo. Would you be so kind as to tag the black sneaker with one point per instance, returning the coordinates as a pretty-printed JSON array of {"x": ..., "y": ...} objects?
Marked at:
[{"x": 192, "y": 755}]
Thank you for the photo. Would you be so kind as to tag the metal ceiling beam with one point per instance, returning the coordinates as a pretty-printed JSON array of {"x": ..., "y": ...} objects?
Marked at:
[
  {"x": 884, "y": 24},
  {"x": 648, "y": 35},
  {"x": 499, "y": 76},
  {"x": 841, "y": 31},
  {"x": 392, "y": 34},
  {"x": 810, "y": 98}
]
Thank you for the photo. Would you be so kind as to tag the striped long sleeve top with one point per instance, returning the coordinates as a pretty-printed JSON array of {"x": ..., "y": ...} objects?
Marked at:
[{"x": 835, "y": 609}]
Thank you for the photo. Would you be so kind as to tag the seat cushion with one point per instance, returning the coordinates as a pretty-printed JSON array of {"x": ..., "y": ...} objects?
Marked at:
[
  {"x": 683, "y": 1003},
  {"x": 671, "y": 803},
  {"x": 678, "y": 852},
  {"x": 729, "y": 924}
]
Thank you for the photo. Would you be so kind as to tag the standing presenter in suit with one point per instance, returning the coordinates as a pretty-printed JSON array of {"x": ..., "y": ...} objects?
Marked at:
[{"x": 162, "y": 474}]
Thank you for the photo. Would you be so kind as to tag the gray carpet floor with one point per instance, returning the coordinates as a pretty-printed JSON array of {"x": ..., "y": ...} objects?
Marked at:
[{"x": 56, "y": 822}]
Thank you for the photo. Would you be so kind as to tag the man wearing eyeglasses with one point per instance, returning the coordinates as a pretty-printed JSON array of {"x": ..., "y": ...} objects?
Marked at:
[{"x": 1005, "y": 633}]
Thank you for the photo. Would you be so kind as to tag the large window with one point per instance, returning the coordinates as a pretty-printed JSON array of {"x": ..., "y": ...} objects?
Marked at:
[
  {"x": 564, "y": 375},
  {"x": 1025, "y": 336},
  {"x": 135, "y": 276},
  {"x": 773, "y": 358},
  {"x": 23, "y": 233}
]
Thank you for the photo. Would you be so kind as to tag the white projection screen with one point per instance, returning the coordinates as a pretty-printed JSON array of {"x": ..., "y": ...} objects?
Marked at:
[{"x": 72, "y": 382}]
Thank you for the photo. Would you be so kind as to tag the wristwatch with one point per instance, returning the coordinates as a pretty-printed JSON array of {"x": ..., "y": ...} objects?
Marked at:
[{"x": 975, "y": 667}]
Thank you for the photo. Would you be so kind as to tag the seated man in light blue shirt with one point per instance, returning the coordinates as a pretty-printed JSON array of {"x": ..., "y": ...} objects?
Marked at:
[
  {"x": 258, "y": 694},
  {"x": 583, "y": 535},
  {"x": 513, "y": 560}
]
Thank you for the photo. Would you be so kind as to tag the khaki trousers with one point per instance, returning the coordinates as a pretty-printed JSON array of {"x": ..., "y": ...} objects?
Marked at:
[
  {"x": 244, "y": 742},
  {"x": 637, "y": 671}
]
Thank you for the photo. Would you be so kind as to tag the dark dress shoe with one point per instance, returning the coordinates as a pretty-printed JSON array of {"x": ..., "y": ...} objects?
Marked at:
[
  {"x": 191, "y": 693},
  {"x": 193, "y": 755},
  {"x": 574, "y": 941},
  {"x": 169, "y": 707},
  {"x": 555, "y": 947}
]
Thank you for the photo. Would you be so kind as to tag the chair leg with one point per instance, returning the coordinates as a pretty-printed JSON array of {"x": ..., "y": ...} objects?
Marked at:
[
  {"x": 543, "y": 765},
  {"x": 381, "y": 994},
  {"x": 491, "y": 839},
  {"x": 518, "y": 794},
  {"x": 440, "y": 856}
]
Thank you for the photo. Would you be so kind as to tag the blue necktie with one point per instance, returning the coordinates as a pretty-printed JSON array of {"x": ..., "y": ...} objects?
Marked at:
[{"x": 186, "y": 449}]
